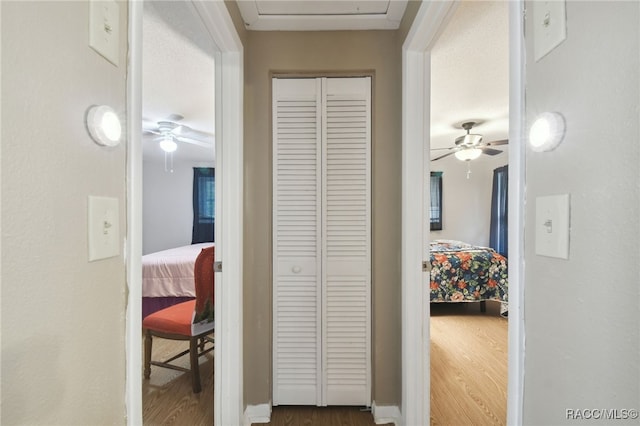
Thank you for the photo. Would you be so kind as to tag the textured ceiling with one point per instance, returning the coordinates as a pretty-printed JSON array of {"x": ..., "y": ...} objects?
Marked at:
[
  {"x": 470, "y": 74},
  {"x": 469, "y": 71},
  {"x": 178, "y": 75}
]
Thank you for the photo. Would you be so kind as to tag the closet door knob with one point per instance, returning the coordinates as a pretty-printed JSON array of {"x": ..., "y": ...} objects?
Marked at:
[{"x": 296, "y": 269}]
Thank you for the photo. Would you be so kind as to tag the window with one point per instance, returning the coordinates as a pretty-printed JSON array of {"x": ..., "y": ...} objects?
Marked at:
[
  {"x": 498, "y": 235},
  {"x": 204, "y": 204},
  {"x": 436, "y": 201}
]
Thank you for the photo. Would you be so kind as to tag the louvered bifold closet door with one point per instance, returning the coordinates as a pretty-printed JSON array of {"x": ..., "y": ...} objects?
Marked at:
[
  {"x": 322, "y": 241},
  {"x": 296, "y": 242},
  {"x": 347, "y": 241}
]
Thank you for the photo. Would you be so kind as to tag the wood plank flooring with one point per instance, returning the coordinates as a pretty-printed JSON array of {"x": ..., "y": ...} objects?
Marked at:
[
  {"x": 468, "y": 379},
  {"x": 319, "y": 416},
  {"x": 468, "y": 365},
  {"x": 167, "y": 397}
]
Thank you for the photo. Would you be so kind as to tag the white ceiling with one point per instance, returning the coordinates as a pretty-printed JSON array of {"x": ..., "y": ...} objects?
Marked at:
[
  {"x": 470, "y": 75},
  {"x": 178, "y": 75},
  {"x": 469, "y": 66}
]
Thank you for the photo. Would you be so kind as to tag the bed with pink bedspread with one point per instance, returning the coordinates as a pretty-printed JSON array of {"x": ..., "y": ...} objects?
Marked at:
[{"x": 167, "y": 277}]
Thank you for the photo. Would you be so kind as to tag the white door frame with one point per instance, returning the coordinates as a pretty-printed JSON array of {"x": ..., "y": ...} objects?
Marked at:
[
  {"x": 228, "y": 364},
  {"x": 430, "y": 21},
  {"x": 515, "y": 383}
]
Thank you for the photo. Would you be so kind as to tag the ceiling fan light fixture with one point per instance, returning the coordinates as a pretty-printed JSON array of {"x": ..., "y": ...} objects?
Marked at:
[
  {"x": 468, "y": 154},
  {"x": 168, "y": 144}
]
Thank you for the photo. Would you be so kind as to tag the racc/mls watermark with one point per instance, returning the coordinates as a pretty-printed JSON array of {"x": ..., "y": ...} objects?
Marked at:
[{"x": 601, "y": 413}]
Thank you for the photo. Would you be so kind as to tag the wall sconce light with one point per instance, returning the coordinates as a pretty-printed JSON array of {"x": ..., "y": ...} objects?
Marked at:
[
  {"x": 104, "y": 125},
  {"x": 547, "y": 131}
]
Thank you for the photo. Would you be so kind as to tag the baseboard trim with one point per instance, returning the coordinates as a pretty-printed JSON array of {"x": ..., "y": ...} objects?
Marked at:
[
  {"x": 260, "y": 413},
  {"x": 386, "y": 414}
]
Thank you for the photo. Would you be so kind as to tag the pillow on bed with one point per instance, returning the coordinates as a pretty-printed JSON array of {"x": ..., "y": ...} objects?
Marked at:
[
  {"x": 444, "y": 245},
  {"x": 454, "y": 242}
]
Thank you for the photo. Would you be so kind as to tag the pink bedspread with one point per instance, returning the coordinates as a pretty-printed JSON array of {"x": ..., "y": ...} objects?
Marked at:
[{"x": 169, "y": 273}]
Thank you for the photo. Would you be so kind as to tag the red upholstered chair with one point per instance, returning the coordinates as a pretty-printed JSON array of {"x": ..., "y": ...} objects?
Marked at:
[{"x": 192, "y": 321}]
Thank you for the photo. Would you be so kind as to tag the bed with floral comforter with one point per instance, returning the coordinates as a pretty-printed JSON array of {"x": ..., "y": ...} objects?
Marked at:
[{"x": 461, "y": 272}]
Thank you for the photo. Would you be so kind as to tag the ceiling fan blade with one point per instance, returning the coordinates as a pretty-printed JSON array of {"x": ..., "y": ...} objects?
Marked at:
[
  {"x": 491, "y": 151},
  {"x": 149, "y": 126},
  {"x": 498, "y": 142},
  {"x": 440, "y": 149},
  {"x": 444, "y": 155},
  {"x": 195, "y": 142},
  {"x": 191, "y": 133},
  {"x": 165, "y": 126},
  {"x": 177, "y": 130}
]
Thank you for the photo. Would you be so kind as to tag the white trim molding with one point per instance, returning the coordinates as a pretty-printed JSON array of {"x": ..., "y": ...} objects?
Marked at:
[
  {"x": 416, "y": 85},
  {"x": 415, "y": 365},
  {"x": 383, "y": 414},
  {"x": 516, "y": 348},
  {"x": 133, "y": 246},
  {"x": 260, "y": 413},
  {"x": 228, "y": 364}
]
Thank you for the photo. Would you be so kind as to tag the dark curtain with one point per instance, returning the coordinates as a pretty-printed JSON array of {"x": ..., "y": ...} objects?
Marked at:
[
  {"x": 204, "y": 206},
  {"x": 436, "y": 201},
  {"x": 498, "y": 237}
]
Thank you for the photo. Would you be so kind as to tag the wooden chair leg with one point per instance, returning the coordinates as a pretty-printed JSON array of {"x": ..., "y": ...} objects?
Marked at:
[
  {"x": 195, "y": 366},
  {"x": 147, "y": 354}
]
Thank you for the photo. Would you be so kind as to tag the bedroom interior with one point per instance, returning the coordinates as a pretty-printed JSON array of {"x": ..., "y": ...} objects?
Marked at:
[
  {"x": 178, "y": 89},
  {"x": 468, "y": 146},
  {"x": 178, "y": 203}
]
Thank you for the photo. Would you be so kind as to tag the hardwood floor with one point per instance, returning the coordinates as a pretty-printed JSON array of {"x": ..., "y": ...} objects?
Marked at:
[
  {"x": 167, "y": 397},
  {"x": 468, "y": 365},
  {"x": 468, "y": 379},
  {"x": 319, "y": 416}
]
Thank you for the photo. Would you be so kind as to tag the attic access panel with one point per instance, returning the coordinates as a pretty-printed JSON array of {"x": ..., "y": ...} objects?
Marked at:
[{"x": 318, "y": 15}]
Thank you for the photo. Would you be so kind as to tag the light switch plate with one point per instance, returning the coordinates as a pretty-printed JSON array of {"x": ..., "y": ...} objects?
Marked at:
[
  {"x": 552, "y": 226},
  {"x": 104, "y": 229},
  {"x": 104, "y": 29},
  {"x": 549, "y": 26}
]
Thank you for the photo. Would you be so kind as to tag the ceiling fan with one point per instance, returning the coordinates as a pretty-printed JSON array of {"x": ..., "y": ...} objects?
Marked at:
[
  {"x": 170, "y": 133},
  {"x": 470, "y": 146}
]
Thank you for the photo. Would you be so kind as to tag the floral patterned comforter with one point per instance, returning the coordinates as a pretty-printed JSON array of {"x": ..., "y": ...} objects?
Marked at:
[{"x": 461, "y": 272}]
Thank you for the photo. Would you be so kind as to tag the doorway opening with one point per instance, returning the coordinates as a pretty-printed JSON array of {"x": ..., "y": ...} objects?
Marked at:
[
  {"x": 227, "y": 401},
  {"x": 468, "y": 287},
  {"x": 178, "y": 202},
  {"x": 429, "y": 24}
]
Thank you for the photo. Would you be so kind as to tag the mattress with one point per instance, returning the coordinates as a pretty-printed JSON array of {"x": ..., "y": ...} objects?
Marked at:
[{"x": 169, "y": 273}]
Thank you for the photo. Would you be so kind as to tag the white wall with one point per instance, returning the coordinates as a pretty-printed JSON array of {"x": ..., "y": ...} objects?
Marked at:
[
  {"x": 582, "y": 318},
  {"x": 466, "y": 203},
  {"x": 63, "y": 317},
  {"x": 167, "y": 204}
]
